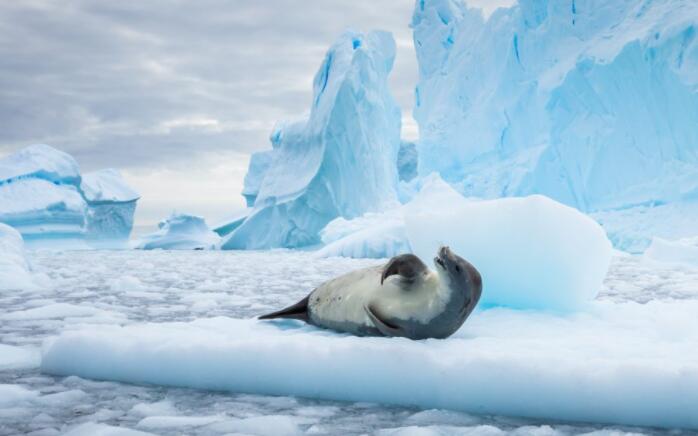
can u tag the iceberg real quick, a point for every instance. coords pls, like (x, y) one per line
(590, 103)
(597, 366)
(532, 252)
(181, 232)
(339, 162)
(15, 272)
(373, 235)
(111, 205)
(682, 251)
(44, 197)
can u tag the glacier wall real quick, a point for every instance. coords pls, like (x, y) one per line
(44, 196)
(590, 102)
(339, 162)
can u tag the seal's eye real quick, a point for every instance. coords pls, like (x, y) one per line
(458, 268)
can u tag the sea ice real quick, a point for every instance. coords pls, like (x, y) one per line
(181, 232)
(532, 252)
(95, 429)
(624, 363)
(339, 162)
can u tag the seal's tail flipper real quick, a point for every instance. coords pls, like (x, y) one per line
(297, 311)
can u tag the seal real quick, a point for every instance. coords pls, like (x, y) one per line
(401, 298)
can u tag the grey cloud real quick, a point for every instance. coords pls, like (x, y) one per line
(102, 80)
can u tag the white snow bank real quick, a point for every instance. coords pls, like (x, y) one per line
(14, 268)
(373, 235)
(682, 251)
(532, 252)
(624, 363)
(181, 232)
(107, 185)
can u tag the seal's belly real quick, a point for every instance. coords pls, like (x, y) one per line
(339, 303)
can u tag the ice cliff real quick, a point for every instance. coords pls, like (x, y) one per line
(592, 103)
(339, 162)
(44, 196)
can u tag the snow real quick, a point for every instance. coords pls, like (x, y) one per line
(593, 105)
(532, 252)
(181, 232)
(340, 161)
(44, 197)
(682, 251)
(618, 362)
(15, 273)
(137, 287)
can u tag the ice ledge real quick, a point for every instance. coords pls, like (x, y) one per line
(617, 363)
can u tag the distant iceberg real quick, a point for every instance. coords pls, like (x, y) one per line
(593, 104)
(181, 232)
(340, 162)
(111, 205)
(44, 197)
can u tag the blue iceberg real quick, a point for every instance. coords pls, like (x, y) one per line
(181, 232)
(44, 197)
(590, 103)
(339, 162)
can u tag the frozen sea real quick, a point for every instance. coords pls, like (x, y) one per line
(127, 287)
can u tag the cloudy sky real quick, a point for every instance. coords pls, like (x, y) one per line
(176, 94)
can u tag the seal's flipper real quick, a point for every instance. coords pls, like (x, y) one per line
(407, 266)
(297, 311)
(386, 328)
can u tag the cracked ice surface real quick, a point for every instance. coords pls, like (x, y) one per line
(129, 287)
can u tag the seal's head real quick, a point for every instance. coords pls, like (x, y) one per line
(458, 273)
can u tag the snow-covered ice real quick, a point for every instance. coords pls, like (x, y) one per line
(44, 197)
(180, 232)
(130, 288)
(502, 362)
(340, 161)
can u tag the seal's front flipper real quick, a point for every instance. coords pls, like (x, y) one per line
(408, 266)
(385, 327)
(297, 311)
